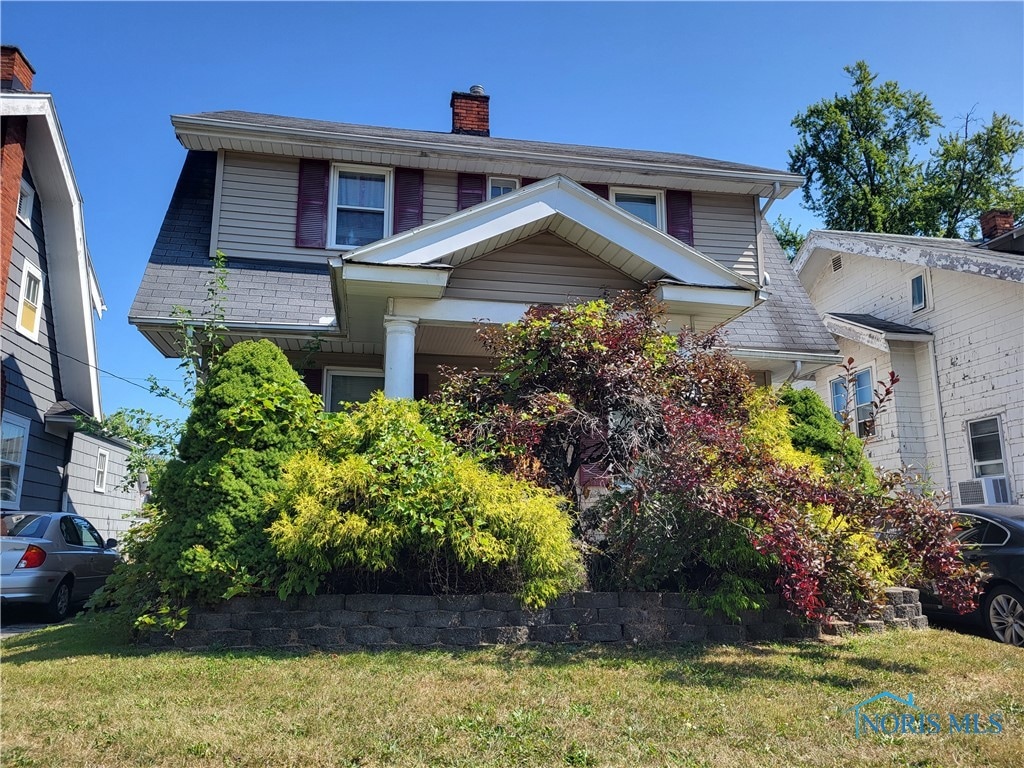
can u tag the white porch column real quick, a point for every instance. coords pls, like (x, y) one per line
(399, 356)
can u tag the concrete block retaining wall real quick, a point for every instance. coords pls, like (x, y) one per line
(331, 622)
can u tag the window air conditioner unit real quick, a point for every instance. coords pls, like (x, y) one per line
(987, 490)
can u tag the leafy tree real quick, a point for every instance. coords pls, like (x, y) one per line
(858, 152)
(789, 237)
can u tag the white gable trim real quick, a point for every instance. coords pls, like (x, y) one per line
(870, 337)
(73, 289)
(543, 205)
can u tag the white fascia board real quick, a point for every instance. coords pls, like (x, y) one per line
(460, 311)
(871, 337)
(390, 280)
(691, 294)
(225, 134)
(72, 289)
(555, 196)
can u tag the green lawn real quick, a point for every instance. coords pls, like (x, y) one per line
(71, 698)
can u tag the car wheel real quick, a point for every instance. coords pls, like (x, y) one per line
(1004, 614)
(60, 604)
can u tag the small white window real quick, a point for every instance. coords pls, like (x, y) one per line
(26, 201)
(861, 409)
(646, 204)
(496, 187)
(31, 301)
(361, 199)
(350, 385)
(102, 459)
(918, 293)
(13, 450)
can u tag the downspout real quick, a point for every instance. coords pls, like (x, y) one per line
(797, 367)
(776, 188)
(939, 416)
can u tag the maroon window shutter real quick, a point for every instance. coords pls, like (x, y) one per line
(408, 199)
(311, 216)
(601, 190)
(472, 189)
(313, 378)
(420, 386)
(679, 212)
(525, 182)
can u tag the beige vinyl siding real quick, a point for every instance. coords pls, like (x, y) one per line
(724, 229)
(259, 195)
(542, 270)
(440, 195)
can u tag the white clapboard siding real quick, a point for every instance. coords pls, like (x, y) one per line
(725, 230)
(543, 269)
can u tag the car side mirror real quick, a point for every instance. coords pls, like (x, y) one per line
(111, 543)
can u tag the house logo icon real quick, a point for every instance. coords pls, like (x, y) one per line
(880, 722)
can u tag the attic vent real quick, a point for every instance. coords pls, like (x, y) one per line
(837, 262)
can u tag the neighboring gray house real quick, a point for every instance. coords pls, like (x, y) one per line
(369, 255)
(50, 297)
(948, 317)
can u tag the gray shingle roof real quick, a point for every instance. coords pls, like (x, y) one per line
(179, 266)
(787, 321)
(484, 143)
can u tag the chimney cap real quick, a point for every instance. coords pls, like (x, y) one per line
(477, 90)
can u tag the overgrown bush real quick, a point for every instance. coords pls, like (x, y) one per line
(705, 490)
(383, 494)
(206, 536)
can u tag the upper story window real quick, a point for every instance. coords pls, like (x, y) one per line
(496, 186)
(102, 459)
(13, 450)
(361, 199)
(860, 409)
(26, 201)
(645, 204)
(30, 301)
(918, 293)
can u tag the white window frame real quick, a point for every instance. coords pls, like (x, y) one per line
(30, 270)
(490, 182)
(657, 194)
(845, 384)
(26, 426)
(1002, 448)
(926, 286)
(346, 371)
(389, 201)
(26, 201)
(102, 465)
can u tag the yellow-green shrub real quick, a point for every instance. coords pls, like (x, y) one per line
(383, 493)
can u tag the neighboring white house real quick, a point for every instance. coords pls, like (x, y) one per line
(948, 317)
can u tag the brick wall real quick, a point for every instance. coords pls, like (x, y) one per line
(380, 621)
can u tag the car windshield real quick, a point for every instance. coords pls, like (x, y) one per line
(28, 524)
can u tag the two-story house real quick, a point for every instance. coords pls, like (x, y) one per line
(371, 254)
(50, 299)
(948, 317)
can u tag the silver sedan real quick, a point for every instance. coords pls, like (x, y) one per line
(55, 559)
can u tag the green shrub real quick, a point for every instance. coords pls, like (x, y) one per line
(207, 534)
(817, 431)
(385, 494)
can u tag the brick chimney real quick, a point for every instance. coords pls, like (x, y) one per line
(15, 75)
(995, 223)
(15, 71)
(471, 112)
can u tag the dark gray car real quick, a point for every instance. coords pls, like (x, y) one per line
(995, 535)
(55, 560)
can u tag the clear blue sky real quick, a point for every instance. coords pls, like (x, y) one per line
(721, 80)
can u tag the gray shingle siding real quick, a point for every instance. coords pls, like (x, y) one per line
(179, 266)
